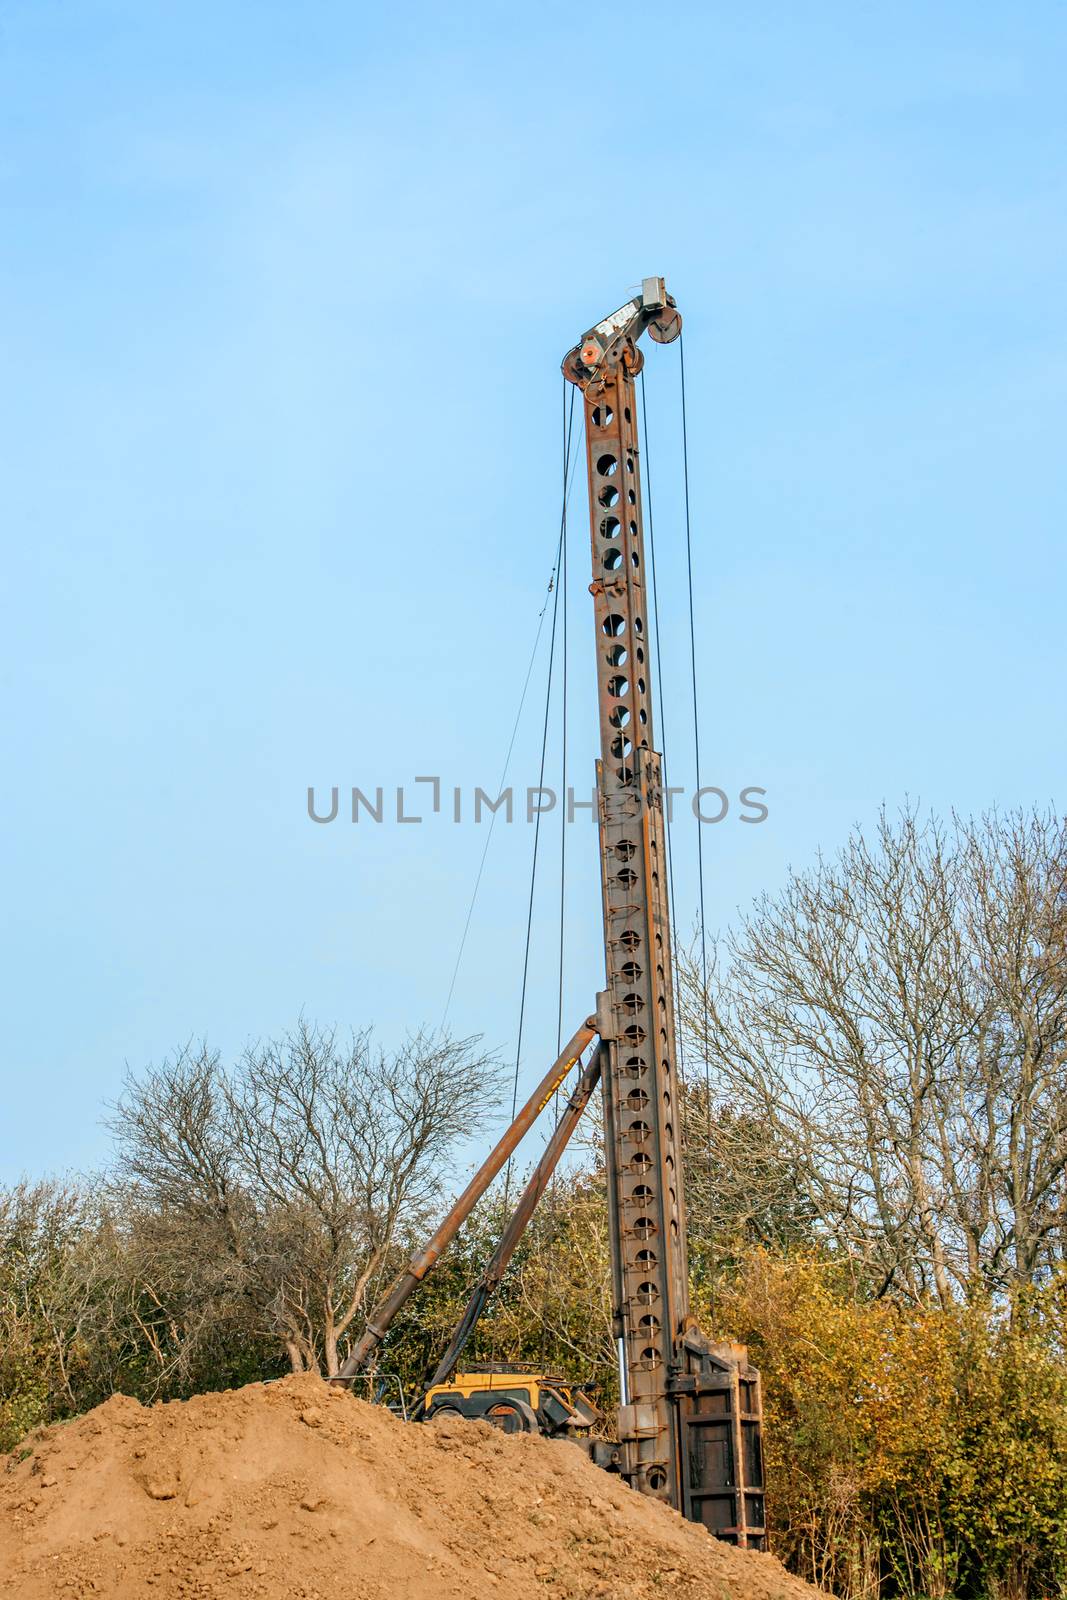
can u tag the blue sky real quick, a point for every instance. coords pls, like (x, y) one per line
(283, 294)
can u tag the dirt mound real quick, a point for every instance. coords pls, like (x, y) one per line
(293, 1489)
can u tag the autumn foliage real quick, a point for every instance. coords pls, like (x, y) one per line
(913, 1450)
(875, 1109)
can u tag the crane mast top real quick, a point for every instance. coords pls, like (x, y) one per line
(614, 340)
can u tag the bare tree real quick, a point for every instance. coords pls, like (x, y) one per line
(742, 1186)
(43, 1304)
(58, 1331)
(897, 1018)
(287, 1182)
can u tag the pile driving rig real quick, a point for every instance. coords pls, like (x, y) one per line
(690, 1414)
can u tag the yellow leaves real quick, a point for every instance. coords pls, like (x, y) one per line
(930, 1442)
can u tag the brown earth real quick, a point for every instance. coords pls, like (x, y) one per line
(297, 1490)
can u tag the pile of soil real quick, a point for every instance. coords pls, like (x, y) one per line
(297, 1490)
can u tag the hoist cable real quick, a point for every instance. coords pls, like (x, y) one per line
(696, 741)
(492, 823)
(567, 429)
(647, 481)
(552, 583)
(563, 732)
(553, 1193)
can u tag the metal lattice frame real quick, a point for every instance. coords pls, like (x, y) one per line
(644, 1159)
(690, 1418)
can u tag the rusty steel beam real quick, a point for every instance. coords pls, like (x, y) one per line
(640, 1081)
(524, 1210)
(671, 1383)
(426, 1259)
(642, 1139)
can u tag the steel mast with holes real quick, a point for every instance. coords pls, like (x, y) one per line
(690, 1417)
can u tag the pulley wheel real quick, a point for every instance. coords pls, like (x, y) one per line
(571, 366)
(633, 359)
(665, 326)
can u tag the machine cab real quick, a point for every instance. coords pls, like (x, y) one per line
(516, 1399)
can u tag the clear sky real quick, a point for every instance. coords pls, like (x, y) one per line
(283, 294)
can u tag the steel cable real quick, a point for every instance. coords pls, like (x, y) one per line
(646, 479)
(563, 731)
(696, 748)
(567, 434)
(552, 585)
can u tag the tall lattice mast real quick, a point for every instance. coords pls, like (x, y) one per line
(689, 1419)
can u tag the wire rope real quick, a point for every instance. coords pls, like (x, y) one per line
(661, 699)
(492, 823)
(563, 731)
(550, 589)
(696, 744)
(553, 1193)
(567, 430)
